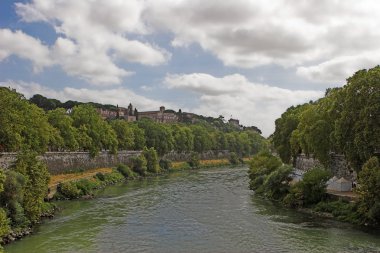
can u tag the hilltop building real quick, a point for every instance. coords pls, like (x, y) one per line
(163, 116)
(234, 122)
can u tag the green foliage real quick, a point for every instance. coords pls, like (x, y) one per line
(152, 160)
(194, 160)
(90, 124)
(64, 125)
(87, 186)
(276, 184)
(234, 158)
(69, 190)
(4, 223)
(202, 139)
(125, 171)
(23, 125)
(342, 210)
(125, 134)
(36, 183)
(139, 165)
(310, 190)
(369, 188)
(165, 164)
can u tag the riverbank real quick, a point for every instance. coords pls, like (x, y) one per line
(207, 210)
(85, 184)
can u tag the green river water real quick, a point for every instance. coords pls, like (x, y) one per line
(209, 210)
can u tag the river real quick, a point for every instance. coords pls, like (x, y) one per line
(209, 210)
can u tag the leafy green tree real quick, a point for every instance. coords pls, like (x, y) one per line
(276, 184)
(139, 137)
(4, 224)
(152, 160)
(202, 140)
(369, 188)
(311, 190)
(284, 128)
(157, 135)
(23, 125)
(357, 129)
(125, 134)
(60, 120)
(36, 183)
(44, 102)
(183, 138)
(89, 123)
(139, 165)
(260, 166)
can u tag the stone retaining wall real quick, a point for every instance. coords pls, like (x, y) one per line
(338, 165)
(63, 162)
(207, 155)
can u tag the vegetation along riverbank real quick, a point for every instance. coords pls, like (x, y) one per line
(346, 121)
(31, 130)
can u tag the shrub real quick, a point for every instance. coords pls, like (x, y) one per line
(234, 158)
(309, 191)
(369, 188)
(69, 190)
(113, 177)
(152, 160)
(100, 176)
(194, 160)
(87, 186)
(276, 184)
(4, 223)
(125, 171)
(139, 165)
(260, 166)
(165, 164)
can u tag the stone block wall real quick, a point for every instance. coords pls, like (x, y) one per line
(338, 165)
(63, 162)
(207, 155)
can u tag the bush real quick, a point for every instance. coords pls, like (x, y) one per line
(69, 190)
(87, 186)
(260, 166)
(234, 158)
(4, 223)
(100, 176)
(113, 177)
(125, 171)
(139, 165)
(152, 160)
(194, 161)
(165, 164)
(276, 184)
(369, 188)
(309, 191)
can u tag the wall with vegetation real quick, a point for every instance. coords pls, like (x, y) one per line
(337, 164)
(206, 155)
(63, 162)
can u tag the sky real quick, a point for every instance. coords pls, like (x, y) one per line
(243, 59)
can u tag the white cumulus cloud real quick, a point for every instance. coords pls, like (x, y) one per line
(234, 95)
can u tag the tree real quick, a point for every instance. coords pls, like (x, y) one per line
(89, 122)
(183, 138)
(23, 125)
(59, 119)
(36, 183)
(369, 182)
(357, 130)
(124, 133)
(152, 160)
(311, 190)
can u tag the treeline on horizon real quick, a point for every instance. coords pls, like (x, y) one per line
(345, 121)
(26, 126)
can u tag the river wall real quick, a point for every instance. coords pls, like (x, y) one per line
(338, 165)
(207, 155)
(64, 162)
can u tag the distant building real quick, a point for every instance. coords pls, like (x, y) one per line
(234, 122)
(118, 113)
(162, 115)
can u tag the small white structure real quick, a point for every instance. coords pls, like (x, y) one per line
(340, 185)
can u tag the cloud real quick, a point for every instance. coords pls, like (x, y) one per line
(289, 33)
(234, 95)
(24, 46)
(116, 96)
(93, 36)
